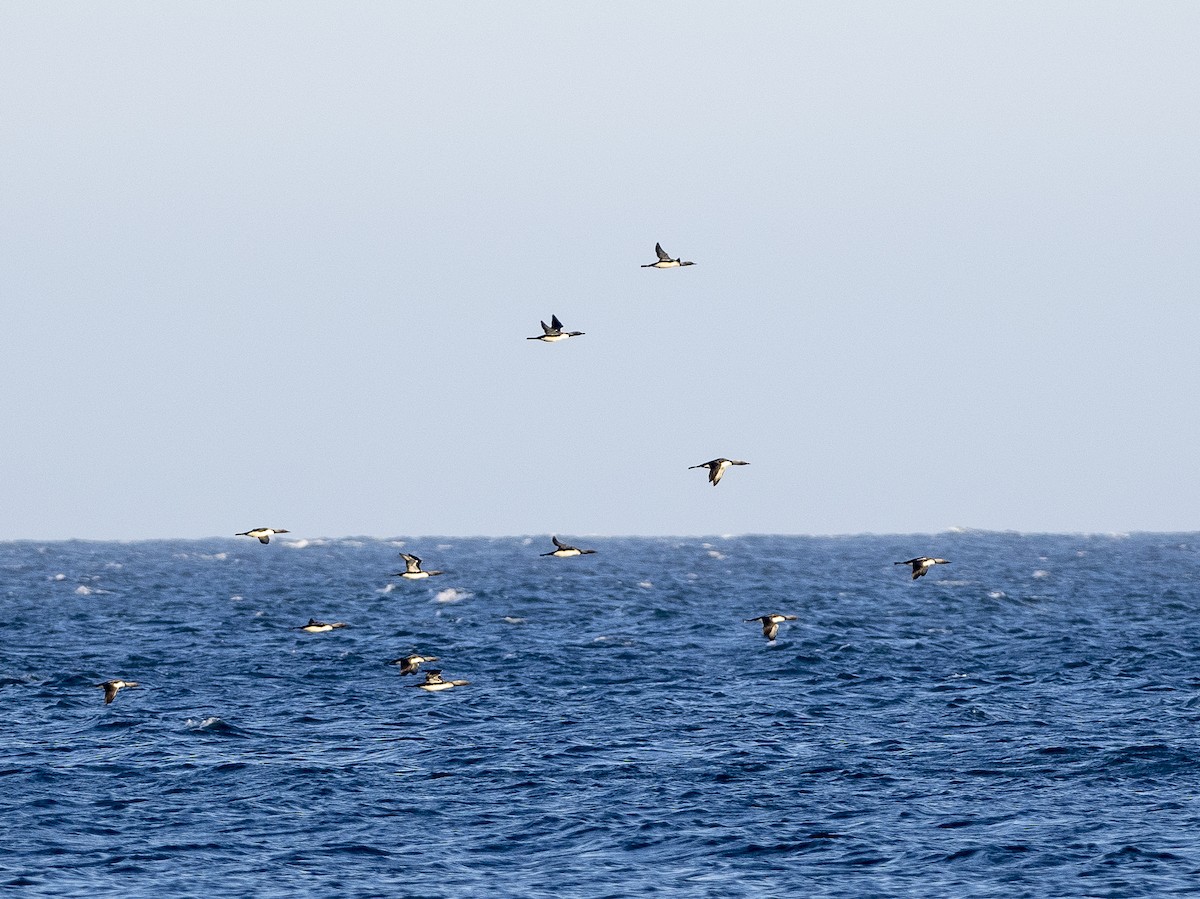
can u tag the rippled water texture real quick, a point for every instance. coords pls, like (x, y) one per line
(1021, 722)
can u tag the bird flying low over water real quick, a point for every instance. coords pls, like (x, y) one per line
(320, 627)
(922, 564)
(412, 569)
(770, 623)
(716, 468)
(433, 682)
(562, 550)
(264, 535)
(112, 686)
(554, 331)
(410, 664)
(665, 260)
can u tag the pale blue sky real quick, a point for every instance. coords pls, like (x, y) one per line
(274, 264)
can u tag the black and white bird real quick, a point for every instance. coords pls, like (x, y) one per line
(770, 623)
(320, 627)
(411, 664)
(412, 569)
(433, 682)
(554, 331)
(563, 550)
(665, 260)
(264, 535)
(716, 468)
(922, 564)
(112, 686)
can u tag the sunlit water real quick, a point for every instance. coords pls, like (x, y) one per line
(1021, 722)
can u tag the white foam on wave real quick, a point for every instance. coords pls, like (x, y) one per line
(450, 594)
(83, 590)
(511, 619)
(713, 554)
(527, 541)
(997, 594)
(296, 544)
(645, 585)
(237, 597)
(1041, 572)
(618, 639)
(203, 723)
(387, 588)
(59, 577)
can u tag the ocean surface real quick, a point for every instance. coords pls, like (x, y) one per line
(1022, 722)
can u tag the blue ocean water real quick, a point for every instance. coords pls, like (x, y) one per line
(1021, 722)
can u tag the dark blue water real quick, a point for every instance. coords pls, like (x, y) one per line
(1022, 722)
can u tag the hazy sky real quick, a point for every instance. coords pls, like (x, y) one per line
(275, 264)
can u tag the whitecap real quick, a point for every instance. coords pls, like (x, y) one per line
(510, 619)
(237, 597)
(59, 577)
(203, 724)
(997, 594)
(295, 544)
(713, 554)
(452, 595)
(1041, 572)
(645, 585)
(83, 590)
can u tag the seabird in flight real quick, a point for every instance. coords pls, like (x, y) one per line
(112, 686)
(562, 550)
(665, 260)
(770, 623)
(554, 331)
(716, 468)
(922, 564)
(412, 569)
(264, 535)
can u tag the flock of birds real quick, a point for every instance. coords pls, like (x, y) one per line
(411, 664)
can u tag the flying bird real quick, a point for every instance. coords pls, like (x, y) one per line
(412, 569)
(665, 260)
(554, 331)
(112, 686)
(433, 682)
(922, 564)
(264, 535)
(410, 664)
(716, 468)
(562, 550)
(770, 623)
